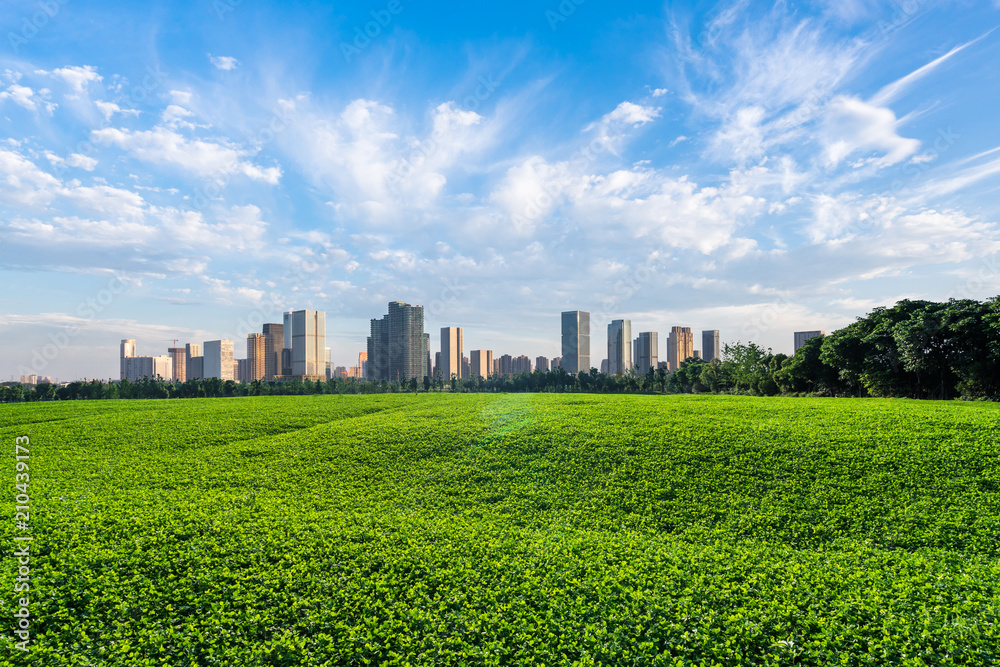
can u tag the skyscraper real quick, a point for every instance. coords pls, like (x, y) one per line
(521, 364)
(646, 352)
(219, 360)
(506, 364)
(178, 357)
(193, 369)
(680, 346)
(274, 342)
(481, 363)
(542, 364)
(256, 365)
(710, 345)
(127, 352)
(619, 347)
(308, 343)
(397, 346)
(451, 352)
(576, 341)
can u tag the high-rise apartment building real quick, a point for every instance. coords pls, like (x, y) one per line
(127, 352)
(576, 341)
(362, 365)
(427, 354)
(619, 347)
(397, 346)
(193, 369)
(542, 364)
(256, 357)
(556, 362)
(136, 368)
(451, 352)
(219, 360)
(646, 351)
(680, 346)
(178, 361)
(710, 345)
(481, 363)
(802, 336)
(506, 363)
(274, 342)
(521, 364)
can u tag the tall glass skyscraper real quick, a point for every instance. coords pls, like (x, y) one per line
(397, 346)
(576, 341)
(619, 347)
(308, 338)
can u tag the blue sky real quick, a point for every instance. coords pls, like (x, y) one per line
(188, 170)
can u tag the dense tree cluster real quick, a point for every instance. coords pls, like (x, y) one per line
(915, 349)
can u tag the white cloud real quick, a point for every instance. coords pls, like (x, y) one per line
(224, 62)
(110, 108)
(21, 182)
(174, 116)
(77, 78)
(163, 146)
(852, 125)
(20, 95)
(76, 160)
(890, 93)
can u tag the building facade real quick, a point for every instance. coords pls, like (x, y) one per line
(136, 368)
(256, 357)
(127, 351)
(680, 346)
(646, 352)
(521, 364)
(308, 343)
(542, 364)
(710, 345)
(274, 343)
(576, 341)
(480, 363)
(397, 346)
(802, 336)
(451, 352)
(219, 360)
(178, 359)
(619, 347)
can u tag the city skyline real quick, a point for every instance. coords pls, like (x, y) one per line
(746, 167)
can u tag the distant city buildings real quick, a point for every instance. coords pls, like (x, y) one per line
(481, 363)
(710, 345)
(274, 342)
(542, 364)
(521, 364)
(619, 347)
(576, 341)
(397, 346)
(219, 360)
(646, 349)
(256, 361)
(802, 336)
(451, 352)
(506, 363)
(680, 346)
(178, 360)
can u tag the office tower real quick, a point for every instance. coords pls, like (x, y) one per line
(697, 354)
(604, 366)
(286, 361)
(556, 363)
(481, 363)
(362, 365)
(437, 366)
(542, 364)
(710, 345)
(576, 341)
(196, 368)
(646, 352)
(219, 359)
(178, 361)
(680, 346)
(286, 328)
(256, 357)
(274, 343)
(328, 364)
(451, 352)
(127, 352)
(802, 336)
(243, 370)
(192, 351)
(496, 366)
(465, 368)
(397, 346)
(619, 347)
(308, 337)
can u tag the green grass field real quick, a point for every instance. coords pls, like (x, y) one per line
(508, 530)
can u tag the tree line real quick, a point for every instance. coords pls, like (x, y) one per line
(915, 349)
